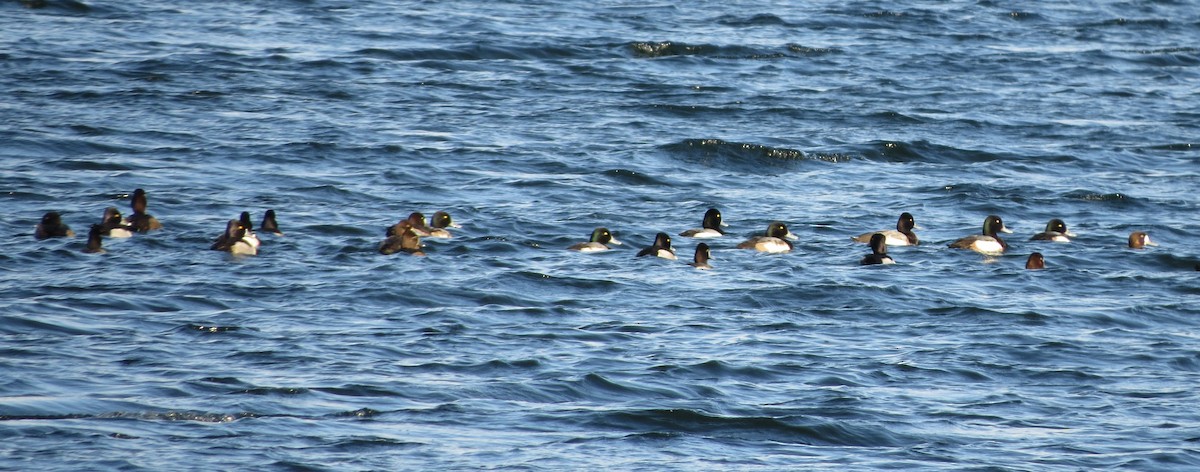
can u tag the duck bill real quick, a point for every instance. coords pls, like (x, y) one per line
(1004, 229)
(614, 241)
(792, 236)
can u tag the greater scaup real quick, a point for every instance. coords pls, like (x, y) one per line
(660, 248)
(1140, 239)
(416, 222)
(700, 260)
(1035, 261)
(710, 226)
(248, 226)
(94, 240)
(903, 235)
(52, 226)
(140, 220)
(601, 238)
(1056, 230)
(269, 225)
(234, 240)
(878, 253)
(774, 241)
(113, 226)
(401, 238)
(438, 224)
(988, 242)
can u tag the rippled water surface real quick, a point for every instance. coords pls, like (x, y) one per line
(534, 124)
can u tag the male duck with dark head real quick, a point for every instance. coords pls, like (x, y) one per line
(989, 242)
(775, 240)
(1056, 231)
(878, 253)
(903, 235)
(401, 238)
(710, 226)
(234, 240)
(700, 260)
(113, 226)
(248, 226)
(660, 248)
(1140, 239)
(140, 220)
(269, 225)
(600, 240)
(52, 226)
(438, 224)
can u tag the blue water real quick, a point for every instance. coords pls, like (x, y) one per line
(534, 124)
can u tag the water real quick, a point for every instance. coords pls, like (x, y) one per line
(534, 124)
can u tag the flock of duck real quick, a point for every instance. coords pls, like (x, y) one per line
(776, 240)
(240, 239)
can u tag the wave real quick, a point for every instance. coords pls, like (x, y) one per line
(652, 49)
(747, 157)
(781, 429)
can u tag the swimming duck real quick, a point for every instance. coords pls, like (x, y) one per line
(901, 236)
(113, 225)
(52, 227)
(878, 253)
(269, 225)
(234, 240)
(416, 222)
(710, 226)
(93, 242)
(250, 237)
(438, 224)
(1140, 239)
(1056, 230)
(700, 260)
(660, 248)
(601, 238)
(1035, 261)
(401, 238)
(988, 242)
(140, 220)
(774, 241)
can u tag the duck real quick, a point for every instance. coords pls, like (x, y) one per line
(250, 237)
(1140, 239)
(775, 240)
(52, 227)
(660, 248)
(600, 240)
(1056, 231)
(401, 238)
(234, 240)
(94, 244)
(878, 253)
(901, 236)
(710, 226)
(140, 220)
(1035, 261)
(988, 243)
(438, 224)
(269, 225)
(113, 226)
(700, 260)
(416, 222)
